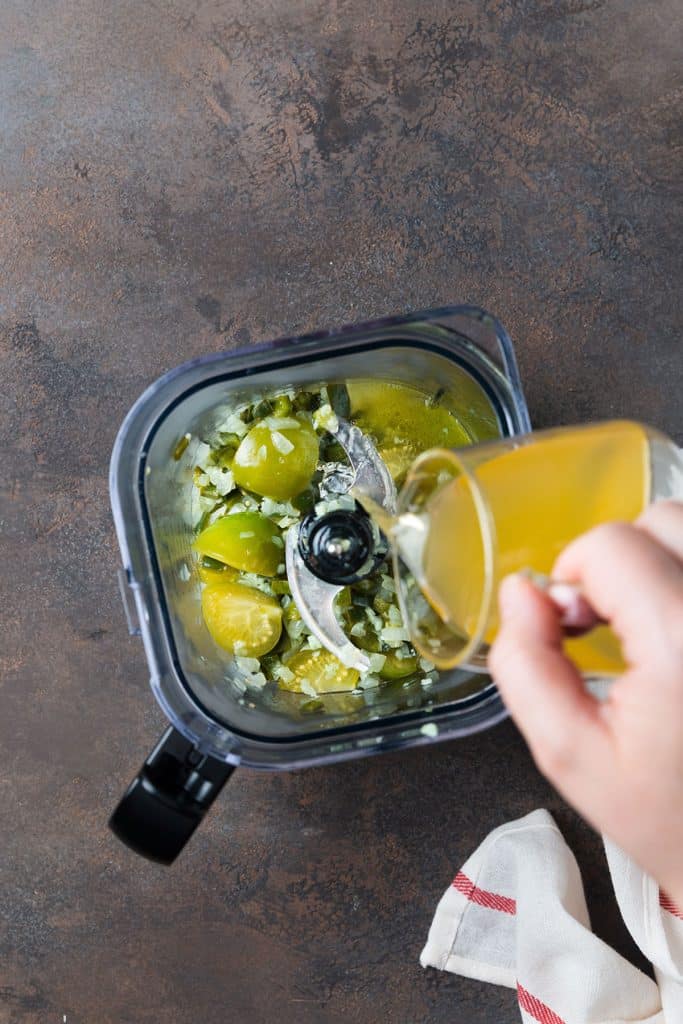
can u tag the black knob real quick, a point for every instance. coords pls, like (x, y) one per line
(342, 546)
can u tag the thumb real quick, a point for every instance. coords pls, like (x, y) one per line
(541, 687)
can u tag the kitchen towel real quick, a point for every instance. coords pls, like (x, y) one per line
(516, 915)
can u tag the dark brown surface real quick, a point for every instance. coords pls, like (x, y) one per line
(178, 178)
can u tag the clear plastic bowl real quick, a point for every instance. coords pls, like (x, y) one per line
(213, 726)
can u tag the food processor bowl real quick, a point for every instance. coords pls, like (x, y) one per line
(217, 723)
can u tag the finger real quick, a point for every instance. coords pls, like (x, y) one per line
(663, 521)
(633, 583)
(541, 687)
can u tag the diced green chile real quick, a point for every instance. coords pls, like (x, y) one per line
(369, 642)
(309, 707)
(306, 401)
(262, 409)
(398, 668)
(305, 501)
(334, 452)
(211, 563)
(339, 399)
(181, 447)
(282, 405)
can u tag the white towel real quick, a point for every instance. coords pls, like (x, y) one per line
(516, 915)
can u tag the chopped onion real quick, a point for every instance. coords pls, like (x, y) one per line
(325, 418)
(224, 482)
(248, 665)
(282, 443)
(375, 619)
(233, 424)
(281, 423)
(269, 507)
(394, 636)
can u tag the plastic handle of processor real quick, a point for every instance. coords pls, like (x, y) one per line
(168, 798)
(511, 371)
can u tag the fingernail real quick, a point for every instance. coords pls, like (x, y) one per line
(539, 579)
(576, 614)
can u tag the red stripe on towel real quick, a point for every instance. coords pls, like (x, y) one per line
(666, 903)
(535, 1008)
(483, 897)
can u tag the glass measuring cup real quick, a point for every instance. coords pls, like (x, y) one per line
(469, 517)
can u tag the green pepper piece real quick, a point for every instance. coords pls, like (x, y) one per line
(280, 587)
(334, 452)
(231, 439)
(306, 401)
(369, 642)
(201, 525)
(181, 447)
(282, 405)
(339, 399)
(305, 501)
(269, 663)
(309, 707)
(398, 668)
(208, 491)
(211, 563)
(262, 409)
(356, 613)
(366, 586)
(291, 613)
(223, 456)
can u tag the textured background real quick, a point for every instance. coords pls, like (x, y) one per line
(177, 179)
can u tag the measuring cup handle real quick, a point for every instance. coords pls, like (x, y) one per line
(168, 798)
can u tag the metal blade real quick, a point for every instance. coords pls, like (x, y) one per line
(314, 597)
(315, 600)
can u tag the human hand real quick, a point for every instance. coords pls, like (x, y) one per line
(619, 762)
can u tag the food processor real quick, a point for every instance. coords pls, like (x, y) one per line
(215, 724)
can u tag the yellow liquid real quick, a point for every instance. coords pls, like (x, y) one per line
(403, 424)
(540, 497)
